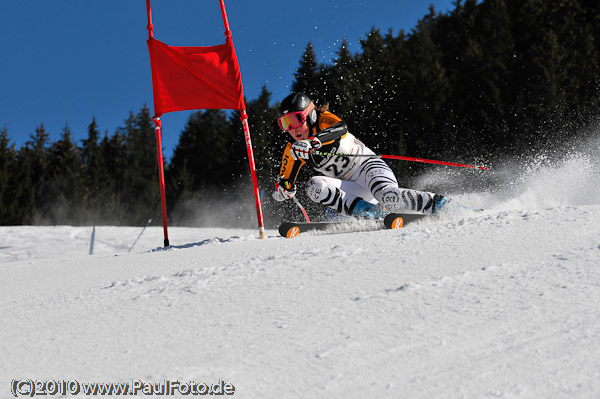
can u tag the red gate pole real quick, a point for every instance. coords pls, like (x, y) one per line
(259, 213)
(244, 118)
(161, 178)
(159, 153)
(149, 26)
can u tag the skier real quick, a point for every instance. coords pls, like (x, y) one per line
(359, 186)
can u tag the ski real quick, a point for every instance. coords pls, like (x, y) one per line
(293, 229)
(391, 221)
(398, 220)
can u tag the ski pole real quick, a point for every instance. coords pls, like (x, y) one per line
(301, 208)
(288, 185)
(136, 240)
(461, 165)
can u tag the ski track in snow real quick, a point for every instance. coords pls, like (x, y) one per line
(501, 303)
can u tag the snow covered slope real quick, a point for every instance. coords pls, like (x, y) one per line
(501, 303)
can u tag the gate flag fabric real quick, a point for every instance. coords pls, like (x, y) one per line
(186, 78)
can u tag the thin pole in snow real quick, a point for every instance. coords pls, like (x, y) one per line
(92, 240)
(136, 240)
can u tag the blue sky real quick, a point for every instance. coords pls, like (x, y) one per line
(67, 61)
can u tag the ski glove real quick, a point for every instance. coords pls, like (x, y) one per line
(284, 189)
(302, 149)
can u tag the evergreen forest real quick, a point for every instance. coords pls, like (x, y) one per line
(489, 79)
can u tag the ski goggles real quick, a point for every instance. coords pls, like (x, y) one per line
(294, 120)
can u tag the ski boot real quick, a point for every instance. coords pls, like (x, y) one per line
(439, 202)
(365, 210)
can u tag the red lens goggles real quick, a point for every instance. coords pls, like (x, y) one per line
(294, 120)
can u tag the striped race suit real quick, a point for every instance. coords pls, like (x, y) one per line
(344, 180)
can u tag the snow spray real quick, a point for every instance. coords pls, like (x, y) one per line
(555, 178)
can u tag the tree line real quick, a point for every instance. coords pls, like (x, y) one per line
(485, 80)
(109, 179)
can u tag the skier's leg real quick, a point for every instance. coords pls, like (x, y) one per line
(377, 176)
(398, 199)
(339, 195)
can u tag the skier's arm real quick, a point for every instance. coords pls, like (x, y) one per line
(333, 132)
(289, 166)
(285, 186)
(331, 128)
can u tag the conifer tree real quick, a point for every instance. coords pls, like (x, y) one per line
(307, 76)
(35, 157)
(479, 55)
(374, 78)
(23, 186)
(9, 186)
(339, 81)
(427, 90)
(204, 147)
(112, 164)
(92, 203)
(398, 74)
(62, 188)
(267, 137)
(140, 190)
